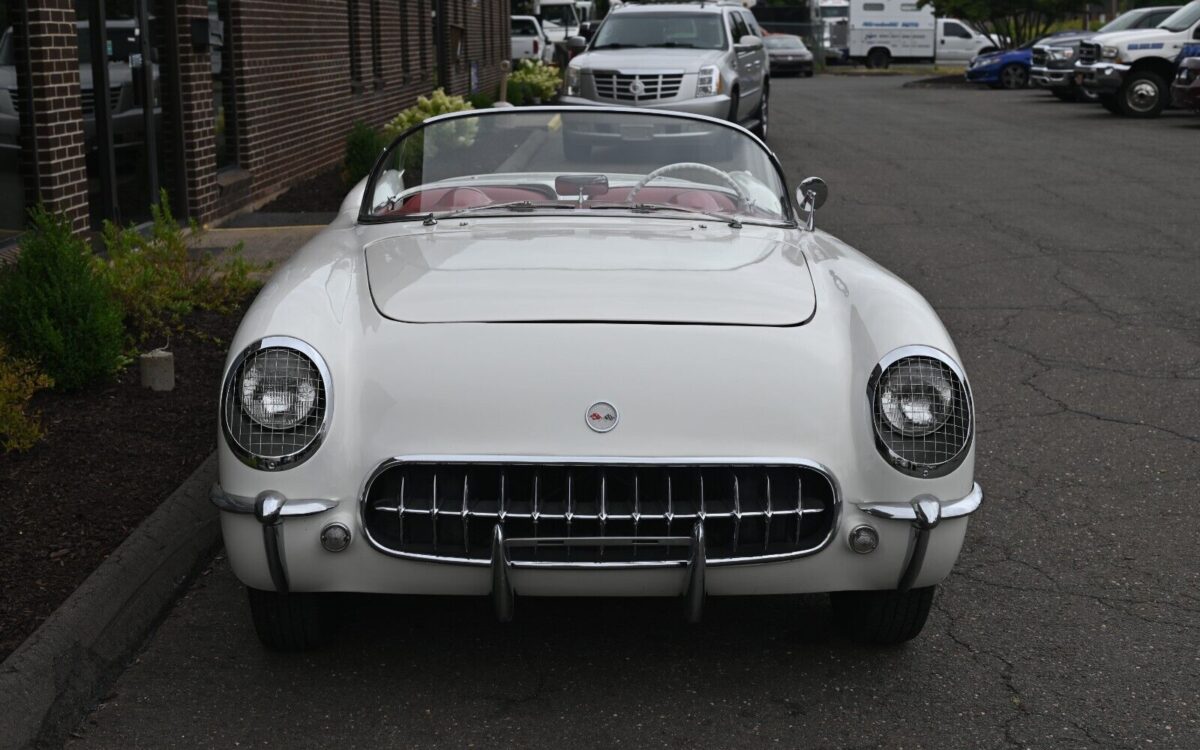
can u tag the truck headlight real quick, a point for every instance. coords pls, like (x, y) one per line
(708, 83)
(1062, 54)
(276, 403)
(573, 74)
(1110, 53)
(921, 411)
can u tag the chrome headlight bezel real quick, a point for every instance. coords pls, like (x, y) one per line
(901, 450)
(708, 81)
(1110, 53)
(313, 434)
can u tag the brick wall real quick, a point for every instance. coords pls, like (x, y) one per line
(56, 130)
(295, 96)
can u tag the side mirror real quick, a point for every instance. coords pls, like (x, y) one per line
(811, 194)
(576, 44)
(750, 41)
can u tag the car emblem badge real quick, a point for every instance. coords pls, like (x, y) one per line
(637, 88)
(601, 416)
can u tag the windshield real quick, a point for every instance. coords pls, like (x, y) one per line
(1182, 19)
(784, 42)
(835, 12)
(568, 161)
(698, 31)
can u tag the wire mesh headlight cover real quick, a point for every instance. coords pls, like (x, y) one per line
(921, 411)
(276, 403)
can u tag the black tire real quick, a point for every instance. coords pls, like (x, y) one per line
(763, 114)
(882, 618)
(879, 58)
(1085, 96)
(1143, 95)
(1014, 76)
(1109, 102)
(734, 104)
(292, 622)
(808, 74)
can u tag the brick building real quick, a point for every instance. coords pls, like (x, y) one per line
(250, 96)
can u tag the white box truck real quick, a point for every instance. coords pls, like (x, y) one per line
(885, 30)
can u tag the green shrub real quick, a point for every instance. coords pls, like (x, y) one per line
(481, 100)
(157, 278)
(414, 153)
(363, 145)
(19, 380)
(437, 103)
(533, 78)
(55, 309)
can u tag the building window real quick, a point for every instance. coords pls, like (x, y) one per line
(224, 121)
(376, 44)
(352, 20)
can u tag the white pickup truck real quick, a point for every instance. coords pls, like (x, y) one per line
(885, 30)
(1131, 71)
(529, 42)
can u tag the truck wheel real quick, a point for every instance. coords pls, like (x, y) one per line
(882, 618)
(1141, 95)
(1109, 102)
(1083, 95)
(293, 621)
(1014, 76)
(764, 105)
(878, 58)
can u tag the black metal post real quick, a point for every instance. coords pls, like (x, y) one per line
(102, 111)
(172, 88)
(28, 131)
(146, 83)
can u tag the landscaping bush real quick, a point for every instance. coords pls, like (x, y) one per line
(533, 79)
(414, 152)
(481, 100)
(158, 278)
(19, 380)
(56, 310)
(363, 145)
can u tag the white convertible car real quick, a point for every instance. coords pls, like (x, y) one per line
(515, 366)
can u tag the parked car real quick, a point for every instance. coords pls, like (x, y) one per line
(787, 54)
(1054, 59)
(702, 58)
(643, 374)
(529, 42)
(1130, 71)
(1006, 69)
(882, 31)
(1185, 90)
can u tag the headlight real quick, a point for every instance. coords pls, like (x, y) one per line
(276, 403)
(708, 83)
(1110, 53)
(573, 74)
(921, 411)
(1065, 53)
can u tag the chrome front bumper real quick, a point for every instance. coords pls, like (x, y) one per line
(1051, 78)
(923, 514)
(1101, 77)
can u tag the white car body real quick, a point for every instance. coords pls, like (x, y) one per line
(529, 42)
(906, 31)
(484, 340)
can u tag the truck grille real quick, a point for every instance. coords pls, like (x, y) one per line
(636, 87)
(560, 513)
(1089, 53)
(1041, 56)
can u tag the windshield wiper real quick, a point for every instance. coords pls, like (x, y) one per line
(646, 208)
(519, 206)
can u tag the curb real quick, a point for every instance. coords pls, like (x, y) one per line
(50, 682)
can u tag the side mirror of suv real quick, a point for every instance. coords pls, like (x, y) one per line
(750, 41)
(576, 44)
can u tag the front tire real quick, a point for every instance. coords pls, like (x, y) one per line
(882, 618)
(879, 58)
(1142, 95)
(1109, 102)
(1014, 76)
(764, 106)
(293, 621)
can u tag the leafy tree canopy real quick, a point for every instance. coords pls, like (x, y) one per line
(1019, 21)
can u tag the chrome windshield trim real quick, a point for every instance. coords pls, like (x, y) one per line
(682, 461)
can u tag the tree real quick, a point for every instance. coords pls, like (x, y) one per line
(1019, 21)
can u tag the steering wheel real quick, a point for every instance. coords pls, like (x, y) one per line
(743, 199)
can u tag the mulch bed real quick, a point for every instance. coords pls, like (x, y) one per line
(320, 194)
(111, 455)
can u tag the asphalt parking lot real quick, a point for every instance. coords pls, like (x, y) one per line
(1061, 245)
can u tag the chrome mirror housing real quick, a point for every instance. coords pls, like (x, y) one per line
(811, 194)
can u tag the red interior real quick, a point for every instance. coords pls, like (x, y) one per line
(449, 199)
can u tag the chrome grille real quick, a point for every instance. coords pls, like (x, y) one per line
(636, 87)
(926, 388)
(1089, 52)
(560, 513)
(1041, 56)
(281, 379)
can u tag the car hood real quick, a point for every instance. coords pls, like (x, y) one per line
(1008, 55)
(1114, 38)
(648, 271)
(688, 60)
(1066, 40)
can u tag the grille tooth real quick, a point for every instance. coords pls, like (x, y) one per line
(447, 511)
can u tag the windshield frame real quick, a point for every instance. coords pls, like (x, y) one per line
(788, 209)
(1191, 12)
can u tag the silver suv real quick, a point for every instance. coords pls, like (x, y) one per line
(706, 58)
